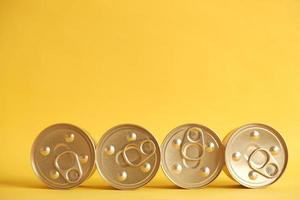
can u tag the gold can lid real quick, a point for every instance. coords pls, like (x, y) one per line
(192, 156)
(255, 155)
(63, 156)
(127, 156)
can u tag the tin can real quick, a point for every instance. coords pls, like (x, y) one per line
(192, 156)
(256, 155)
(63, 156)
(127, 156)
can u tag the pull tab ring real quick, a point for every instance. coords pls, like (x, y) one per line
(269, 168)
(72, 174)
(141, 151)
(194, 141)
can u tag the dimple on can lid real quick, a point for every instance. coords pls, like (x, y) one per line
(127, 156)
(192, 156)
(255, 155)
(63, 156)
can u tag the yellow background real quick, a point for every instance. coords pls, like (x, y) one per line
(155, 63)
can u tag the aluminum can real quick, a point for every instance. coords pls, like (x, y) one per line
(63, 156)
(192, 156)
(127, 156)
(256, 155)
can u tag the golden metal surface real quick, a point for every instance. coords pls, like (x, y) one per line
(127, 156)
(192, 156)
(255, 155)
(63, 156)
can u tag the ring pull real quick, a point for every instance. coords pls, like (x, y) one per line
(147, 150)
(143, 151)
(135, 148)
(263, 162)
(68, 165)
(194, 138)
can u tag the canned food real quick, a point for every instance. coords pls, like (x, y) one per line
(192, 156)
(255, 155)
(63, 156)
(127, 156)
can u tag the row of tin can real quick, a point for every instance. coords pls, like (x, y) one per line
(128, 156)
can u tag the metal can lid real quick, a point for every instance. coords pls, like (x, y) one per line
(63, 156)
(192, 156)
(255, 155)
(127, 156)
